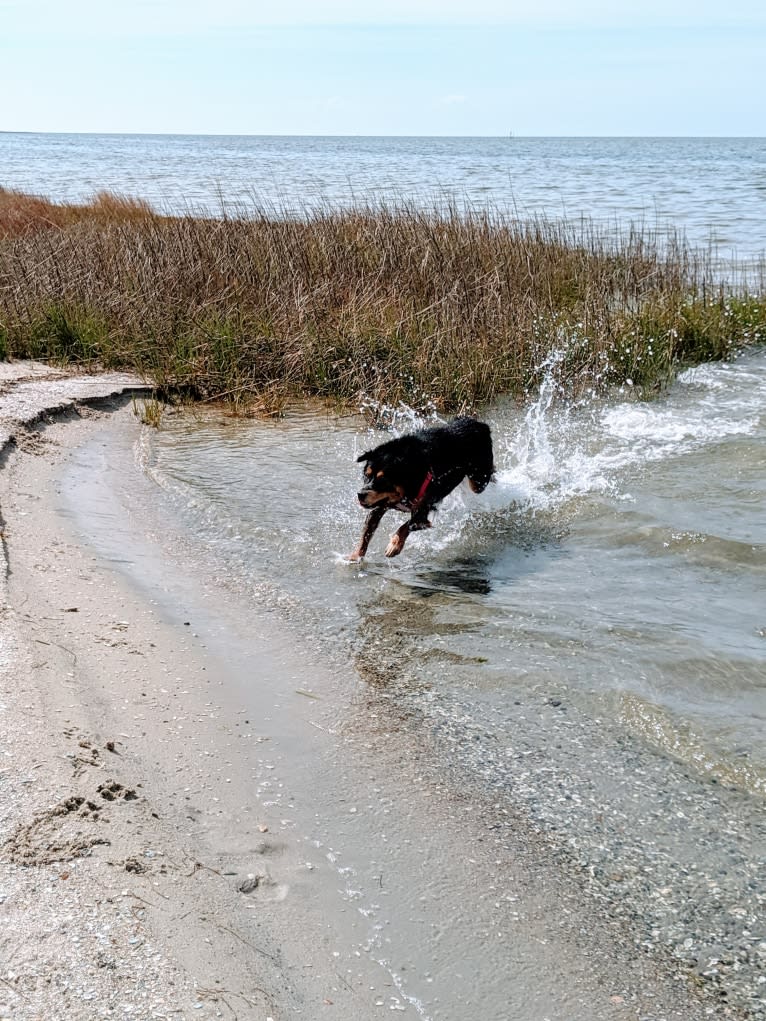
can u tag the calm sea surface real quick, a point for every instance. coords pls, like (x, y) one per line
(712, 188)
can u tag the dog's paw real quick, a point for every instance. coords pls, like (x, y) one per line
(355, 557)
(395, 547)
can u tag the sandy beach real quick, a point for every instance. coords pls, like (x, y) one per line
(105, 913)
(155, 863)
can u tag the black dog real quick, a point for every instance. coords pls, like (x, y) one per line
(414, 473)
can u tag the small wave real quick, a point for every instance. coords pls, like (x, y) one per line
(648, 433)
(680, 740)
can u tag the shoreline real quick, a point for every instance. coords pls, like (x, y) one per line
(123, 724)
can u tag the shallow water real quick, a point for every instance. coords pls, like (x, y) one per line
(387, 888)
(576, 657)
(620, 556)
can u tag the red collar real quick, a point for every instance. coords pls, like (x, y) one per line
(422, 491)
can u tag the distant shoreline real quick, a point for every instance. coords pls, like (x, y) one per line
(237, 134)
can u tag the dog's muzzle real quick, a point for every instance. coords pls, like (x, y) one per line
(372, 498)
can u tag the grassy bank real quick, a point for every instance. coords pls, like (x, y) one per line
(389, 303)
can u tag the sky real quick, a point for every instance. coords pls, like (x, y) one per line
(399, 67)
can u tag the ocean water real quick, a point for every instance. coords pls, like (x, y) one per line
(713, 189)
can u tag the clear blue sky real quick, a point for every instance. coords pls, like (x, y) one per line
(433, 67)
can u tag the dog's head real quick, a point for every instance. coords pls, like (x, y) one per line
(383, 483)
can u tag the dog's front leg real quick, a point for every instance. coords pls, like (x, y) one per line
(417, 522)
(370, 526)
(398, 539)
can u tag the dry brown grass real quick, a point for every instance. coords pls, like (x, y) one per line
(21, 213)
(393, 304)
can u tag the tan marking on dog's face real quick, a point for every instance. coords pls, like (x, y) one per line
(372, 498)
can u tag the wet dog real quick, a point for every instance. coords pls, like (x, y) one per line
(414, 473)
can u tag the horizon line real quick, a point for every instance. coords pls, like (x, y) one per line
(511, 136)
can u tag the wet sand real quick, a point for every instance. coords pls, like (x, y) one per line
(201, 820)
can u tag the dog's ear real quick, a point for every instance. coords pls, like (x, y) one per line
(364, 457)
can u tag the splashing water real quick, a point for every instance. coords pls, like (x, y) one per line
(545, 459)
(562, 450)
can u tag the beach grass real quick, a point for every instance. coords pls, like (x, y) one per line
(449, 307)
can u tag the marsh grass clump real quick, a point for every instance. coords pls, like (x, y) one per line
(149, 412)
(21, 213)
(395, 304)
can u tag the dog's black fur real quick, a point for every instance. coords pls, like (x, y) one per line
(414, 473)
